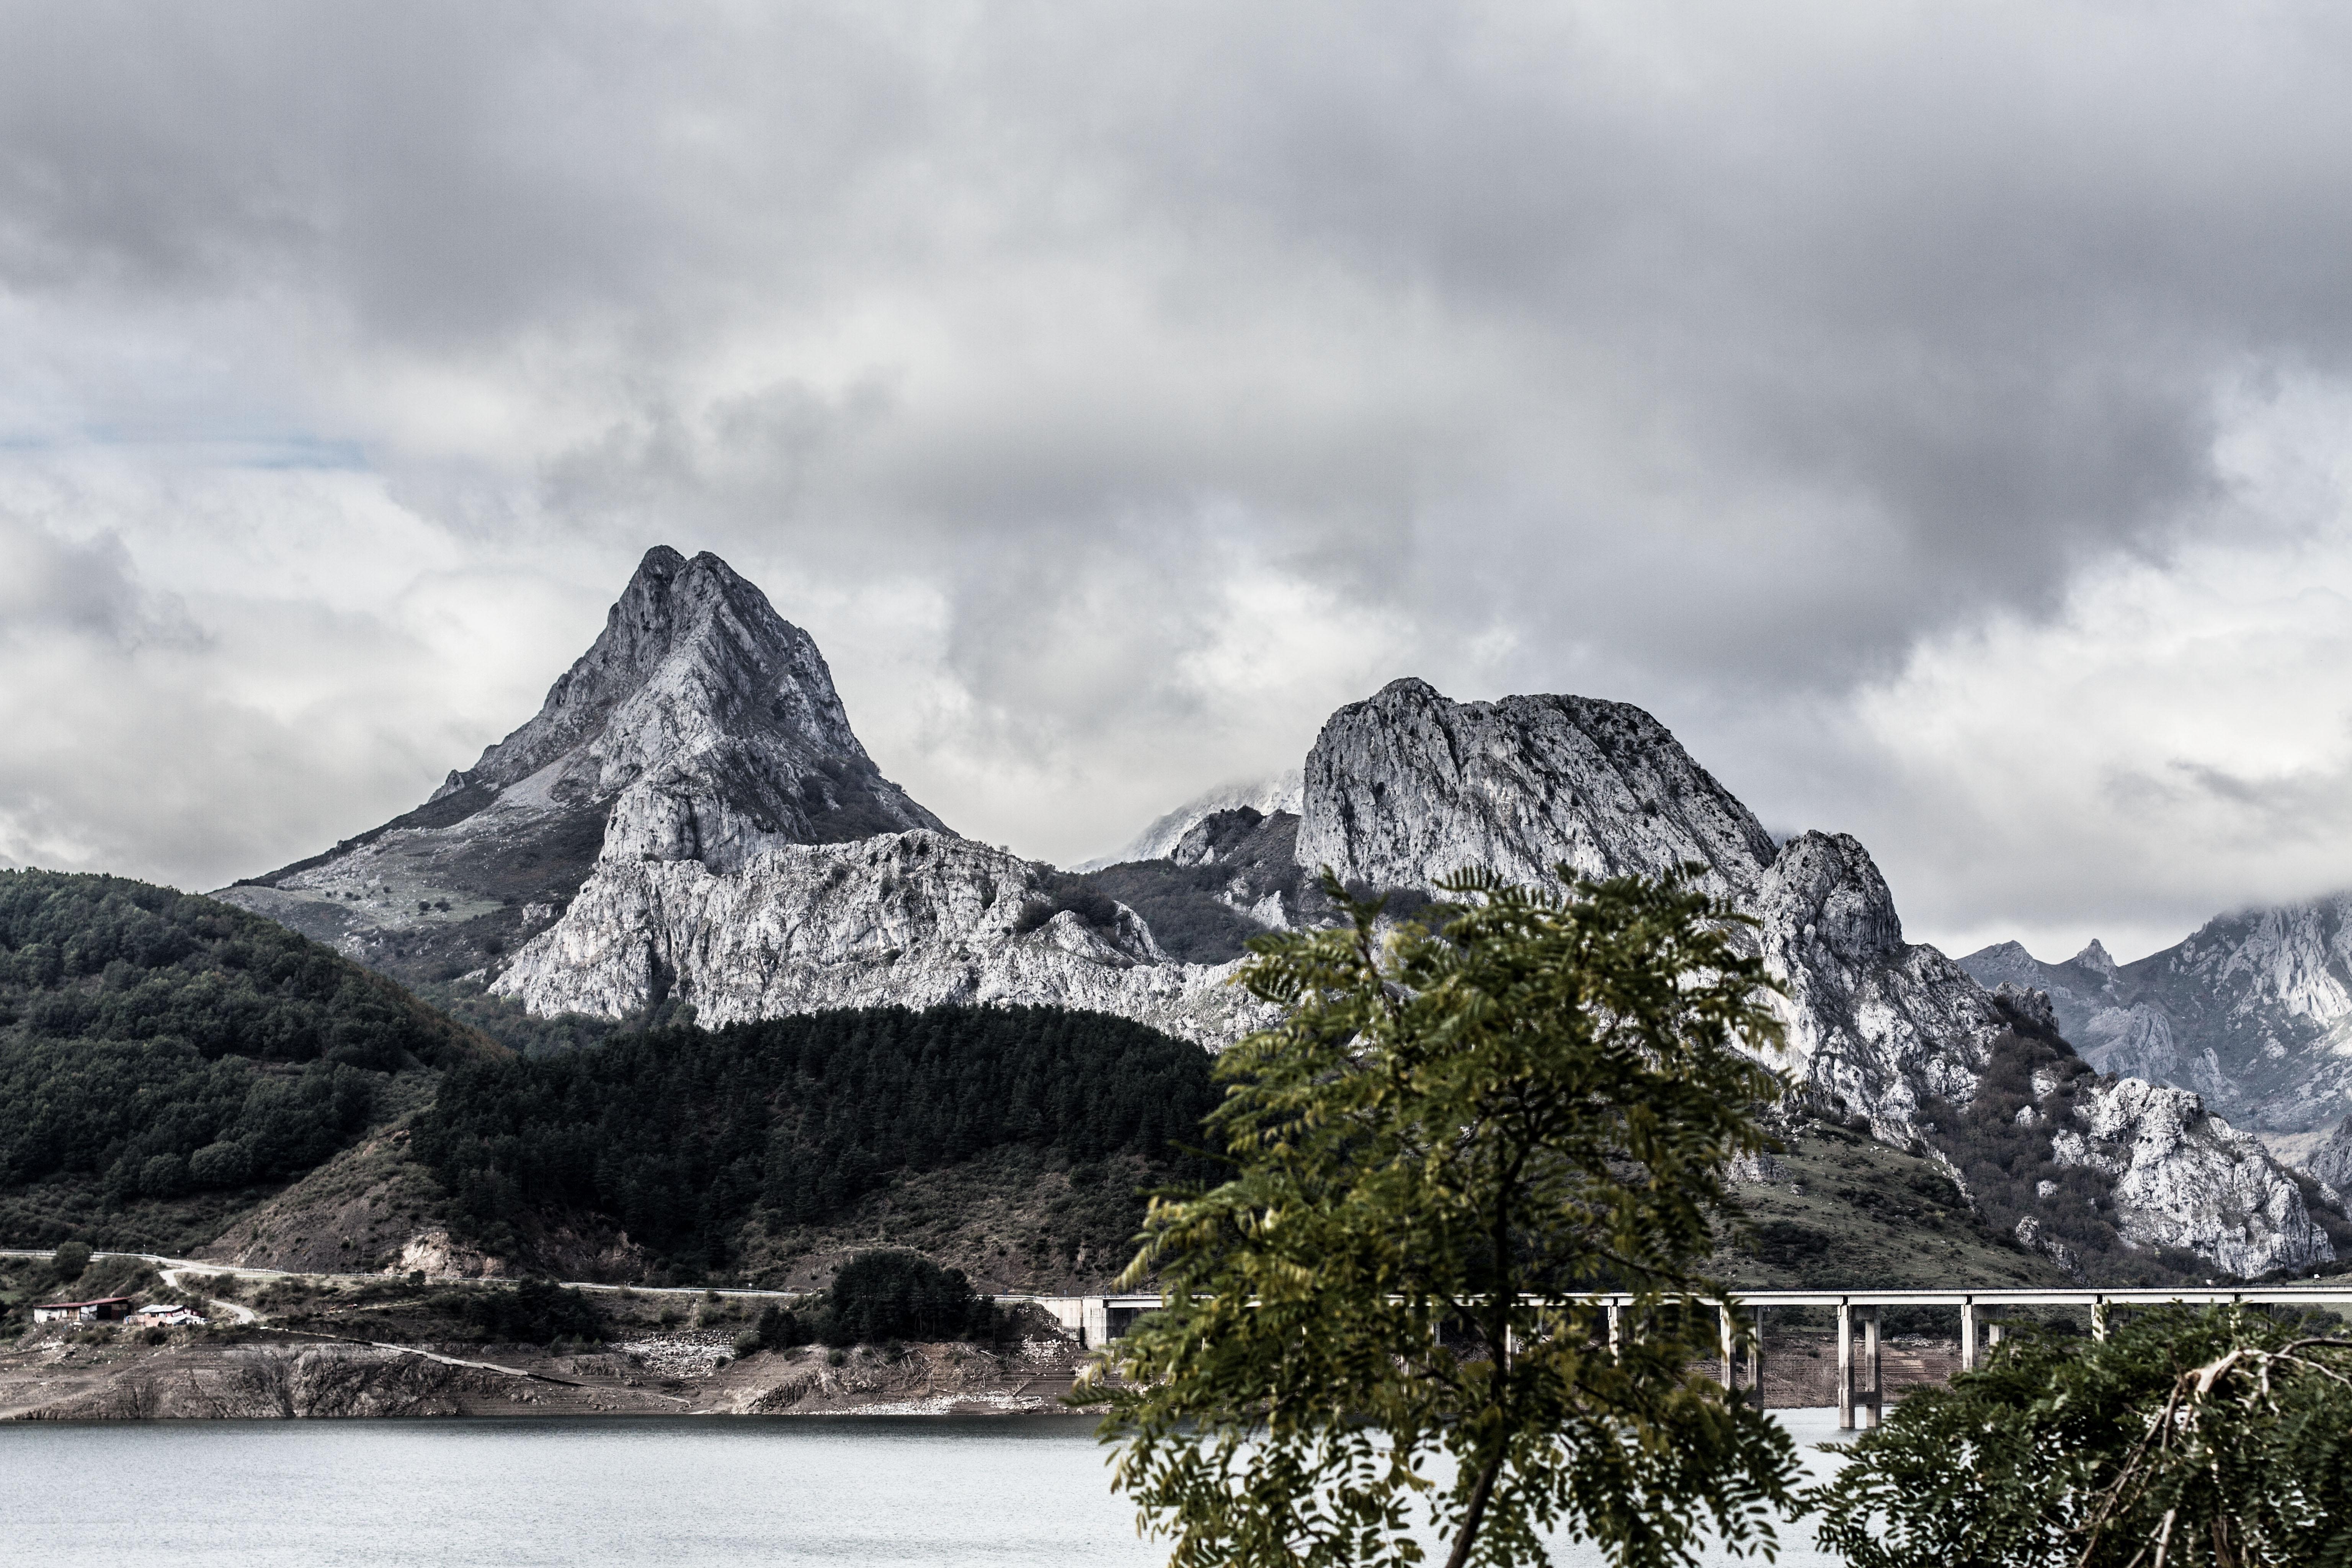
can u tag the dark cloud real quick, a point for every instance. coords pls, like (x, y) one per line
(1132, 384)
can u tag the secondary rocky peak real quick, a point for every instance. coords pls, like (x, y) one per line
(1271, 795)
(1825, 891)
(1408, 787)
(2094, 958)
(1215, 836)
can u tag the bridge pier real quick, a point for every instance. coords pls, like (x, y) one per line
(1967, 1336)
(1871, 1400)
(1845, 1368)
(1756, 1362)
(1877, 1395)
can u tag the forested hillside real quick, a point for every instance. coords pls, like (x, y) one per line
(161, 1052)
(700, 1143)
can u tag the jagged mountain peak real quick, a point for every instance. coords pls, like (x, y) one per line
(689, 648)
(2093, 957)
(700, 725)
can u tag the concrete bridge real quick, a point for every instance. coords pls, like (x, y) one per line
(1096, 1321)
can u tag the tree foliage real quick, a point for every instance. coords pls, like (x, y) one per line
(1450, 1137)
(894, 1295)
(533, 1312)
(153, 1119)
(166, 1043)
(2216, 1437)
(682, 1136)
(104, 958)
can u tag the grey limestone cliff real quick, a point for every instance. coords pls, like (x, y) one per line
(2188, 1179)
(1407, 787)
(908, 920)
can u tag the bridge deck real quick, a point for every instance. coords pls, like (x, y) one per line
(1099, 1320)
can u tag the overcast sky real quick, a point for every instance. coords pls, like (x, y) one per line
(1936, 416)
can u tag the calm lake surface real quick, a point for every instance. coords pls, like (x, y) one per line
(708, 1493)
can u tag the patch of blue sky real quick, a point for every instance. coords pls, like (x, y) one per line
(274, 449)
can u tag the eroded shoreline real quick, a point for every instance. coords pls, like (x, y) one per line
(297, 1376)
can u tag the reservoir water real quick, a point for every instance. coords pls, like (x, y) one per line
(713, 1494)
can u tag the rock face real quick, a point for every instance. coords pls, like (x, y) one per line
(909, 919)
(710, 715)
(699, 725)
(2186, 1179)
(1873, 1022)
(2332, 1163)
(1408, 787)
(2254, 1012)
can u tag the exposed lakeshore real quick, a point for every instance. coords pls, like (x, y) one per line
(264, 1374)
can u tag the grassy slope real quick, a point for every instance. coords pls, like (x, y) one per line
(1016, 1220)
(1844, 1211)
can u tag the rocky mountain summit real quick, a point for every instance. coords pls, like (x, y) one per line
(689, 816)
(2252, 1011)
(1407, 787)
(699, 724)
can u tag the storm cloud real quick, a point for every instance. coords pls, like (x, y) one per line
(1936, 418)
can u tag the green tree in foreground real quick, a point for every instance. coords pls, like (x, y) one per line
(1449, 1134)
(2216, 1437)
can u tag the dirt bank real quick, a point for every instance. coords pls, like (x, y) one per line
(204, 1377)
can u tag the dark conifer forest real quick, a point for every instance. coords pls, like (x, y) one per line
(683, 1136)
(163, 1043)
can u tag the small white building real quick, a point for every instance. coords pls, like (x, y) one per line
(160, 1315)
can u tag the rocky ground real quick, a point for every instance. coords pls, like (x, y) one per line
(200, 1376)
(315, 1345)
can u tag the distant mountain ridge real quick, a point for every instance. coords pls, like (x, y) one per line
(1281, 793)
(2253, 1011)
